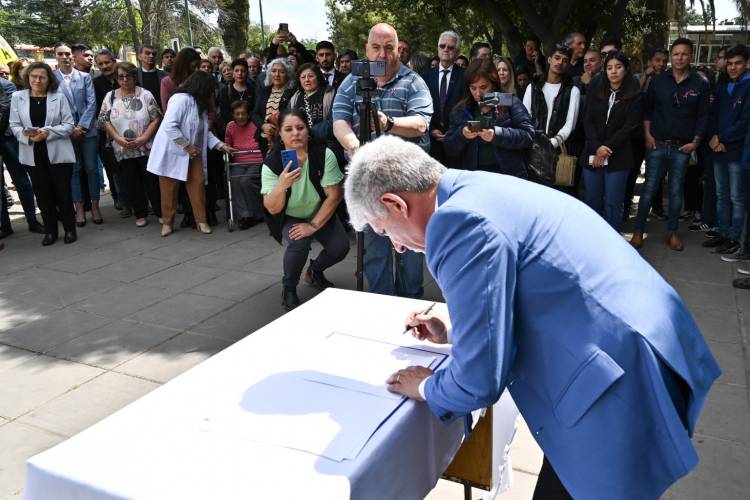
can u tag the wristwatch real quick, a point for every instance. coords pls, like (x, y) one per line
(389, 123)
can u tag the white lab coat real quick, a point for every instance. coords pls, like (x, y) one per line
(169, 159)
(58, 123)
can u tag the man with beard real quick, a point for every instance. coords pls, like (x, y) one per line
(325, 55)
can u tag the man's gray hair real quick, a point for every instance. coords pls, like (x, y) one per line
(386, 165)
(451, 34)
(215, 49)
(287, 67)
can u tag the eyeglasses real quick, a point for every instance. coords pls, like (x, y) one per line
(125, 77)
(446, 46)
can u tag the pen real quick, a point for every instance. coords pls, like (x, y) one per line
(426, 311)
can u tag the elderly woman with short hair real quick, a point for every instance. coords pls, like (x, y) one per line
(273, 97)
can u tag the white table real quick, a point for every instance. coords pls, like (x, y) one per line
(154, 448)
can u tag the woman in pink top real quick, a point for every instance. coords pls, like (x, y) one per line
(240, 134)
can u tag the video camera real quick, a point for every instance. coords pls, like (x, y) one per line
(490, 105)
(368, 69)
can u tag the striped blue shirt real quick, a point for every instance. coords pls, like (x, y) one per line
(406, 94)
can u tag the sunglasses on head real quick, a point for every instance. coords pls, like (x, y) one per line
(446, 46)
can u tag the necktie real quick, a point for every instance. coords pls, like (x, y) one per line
(329, 77)
(443, 90)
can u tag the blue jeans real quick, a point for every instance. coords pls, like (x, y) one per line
(335, 247)
(664, 159)
(21, 179)
(378, 263)
(87, 151)
(708, 215)
(730, 195)
(605, 192)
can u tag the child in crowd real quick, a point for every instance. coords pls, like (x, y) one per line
(245, 168)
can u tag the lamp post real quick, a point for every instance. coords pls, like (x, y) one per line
(262, 28)
(189, 26)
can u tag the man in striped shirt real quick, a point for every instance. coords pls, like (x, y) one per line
(404, 109)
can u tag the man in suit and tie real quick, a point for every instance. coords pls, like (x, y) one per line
(600, 354)
(149, 77)
(446, 82)
(78, 88)
(325, 56)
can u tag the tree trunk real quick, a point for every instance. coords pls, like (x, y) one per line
(234, 19)
(146, 19)
(133, 25)
(508, 28)
(615, 22)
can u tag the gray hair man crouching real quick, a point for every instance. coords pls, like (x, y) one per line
(600, 354)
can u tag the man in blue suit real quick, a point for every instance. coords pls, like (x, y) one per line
(600, 354)
(78, 88)
(446, 84)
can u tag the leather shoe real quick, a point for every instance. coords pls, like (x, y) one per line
(675, 243)
(289, 298)
(637, 240)
(48, 239)
(316, 278)
(37, 228)
(70, 237)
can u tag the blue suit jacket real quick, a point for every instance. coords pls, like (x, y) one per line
(599, 353)
(81, 99)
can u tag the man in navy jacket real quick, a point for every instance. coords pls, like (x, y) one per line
(446, 84)
(728, 127)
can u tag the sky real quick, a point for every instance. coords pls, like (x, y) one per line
(307, 18)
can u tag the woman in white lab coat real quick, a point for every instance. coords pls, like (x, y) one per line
(179, 149)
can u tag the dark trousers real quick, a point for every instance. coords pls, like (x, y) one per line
(117, 184)
(548, 486)
(335, 247)
(143, 186)
(53, 193)
(693, 186)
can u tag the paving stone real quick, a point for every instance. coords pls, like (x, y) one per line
(37, 381)
(85, 405)
(52, 330)
(113, 344)
(55, 288)
(173, 357)
(731, 360)
(235, 285)
(705, 270)
(19, 443)
(717, 325)
(181, 251)
(182, 277)
(720, 475)
(10, 357)
(182, 311)
(132, 269)
(123, 301)
(708, 295)
(726, 415)
(83, 262)
(14, 312)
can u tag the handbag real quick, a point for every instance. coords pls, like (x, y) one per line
(565, 166)
(540, 165)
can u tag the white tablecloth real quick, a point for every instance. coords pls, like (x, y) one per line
(155, 447)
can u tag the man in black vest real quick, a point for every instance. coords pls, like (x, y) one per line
(446, 82)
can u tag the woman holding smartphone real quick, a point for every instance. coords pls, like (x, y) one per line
(41, 120)
(492, 139)
(301, 195)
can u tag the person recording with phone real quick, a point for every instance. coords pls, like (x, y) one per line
(489, 130)
(301, 188)
(284, 36)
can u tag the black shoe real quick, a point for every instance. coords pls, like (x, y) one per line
(289, 298)
(729, 247)
(211, 218)
(714, 242)
(37, 228)
(711, 233)
(316, 278)
(187, 222)
(245, 223)
(48, 239)
(70, 237)
(659, 213)
(5, 231)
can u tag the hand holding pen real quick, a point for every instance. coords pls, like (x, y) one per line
(425, 325)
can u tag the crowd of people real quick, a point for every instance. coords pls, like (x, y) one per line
(158, 135)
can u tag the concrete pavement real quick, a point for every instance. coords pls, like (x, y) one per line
(87, 328)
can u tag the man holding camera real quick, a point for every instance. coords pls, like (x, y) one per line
(404, 109)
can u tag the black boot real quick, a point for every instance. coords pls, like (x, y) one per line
(316, 278)
(289, 298)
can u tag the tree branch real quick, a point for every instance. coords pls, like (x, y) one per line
(563, 11)
(507, 26)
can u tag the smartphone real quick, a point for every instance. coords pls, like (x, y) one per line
(284, 27)
(288, 155)
(474, 125)
(31, 129)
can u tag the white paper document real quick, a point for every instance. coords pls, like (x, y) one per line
(330, 404)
